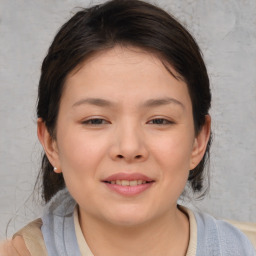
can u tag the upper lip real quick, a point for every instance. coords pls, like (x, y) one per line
(128, 176)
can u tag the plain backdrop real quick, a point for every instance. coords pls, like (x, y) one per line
(226, 33)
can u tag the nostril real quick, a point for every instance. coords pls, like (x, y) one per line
(129, 157)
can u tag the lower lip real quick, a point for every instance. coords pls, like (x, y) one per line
(129, 190)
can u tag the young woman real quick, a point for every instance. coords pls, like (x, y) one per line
(123, 117)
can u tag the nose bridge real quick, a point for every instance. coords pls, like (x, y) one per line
(129, 142)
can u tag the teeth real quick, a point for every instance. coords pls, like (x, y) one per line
(133, 183)
(125, 183)
(128, 183)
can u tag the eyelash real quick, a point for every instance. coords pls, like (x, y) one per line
(95, 121)
(163, 121)
(101, 121)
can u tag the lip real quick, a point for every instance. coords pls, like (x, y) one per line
(128, 176)
(128, 190)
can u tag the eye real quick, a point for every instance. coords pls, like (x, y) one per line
(160, 121)
(95, 121)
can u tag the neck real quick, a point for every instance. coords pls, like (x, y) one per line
(166, 235)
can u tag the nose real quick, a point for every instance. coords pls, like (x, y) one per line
(129, 145)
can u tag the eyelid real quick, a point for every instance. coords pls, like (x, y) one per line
(166, 121)
(94, 118)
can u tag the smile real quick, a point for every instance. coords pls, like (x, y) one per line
(128, 182)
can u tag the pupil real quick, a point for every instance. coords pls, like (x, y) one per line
(158, 121)
(96, 121)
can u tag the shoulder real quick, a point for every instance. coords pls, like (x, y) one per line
(26, 242)
(221, 238)
(248, 228)
(14, 247)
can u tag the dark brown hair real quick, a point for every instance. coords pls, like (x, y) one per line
(127, 23)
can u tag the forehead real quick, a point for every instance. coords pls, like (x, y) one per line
(124, 56)
(125, 73)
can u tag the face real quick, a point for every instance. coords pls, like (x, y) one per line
(125, 137)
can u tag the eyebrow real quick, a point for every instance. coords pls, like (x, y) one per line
(149, 103)
(93, 101)
(162, 101)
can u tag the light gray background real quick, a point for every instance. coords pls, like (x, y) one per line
(226, 33)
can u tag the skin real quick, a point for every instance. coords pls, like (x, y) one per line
(145, 125)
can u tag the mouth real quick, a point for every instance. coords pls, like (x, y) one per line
(128, 184)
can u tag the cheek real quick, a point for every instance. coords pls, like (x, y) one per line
(80, 159)
(173, 152)
(173, 155)
(79, 154)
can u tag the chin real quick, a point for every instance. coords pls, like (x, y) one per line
(128, 222)
(127, 217)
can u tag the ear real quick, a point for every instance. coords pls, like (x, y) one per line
(200, 143)
(49, 144)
